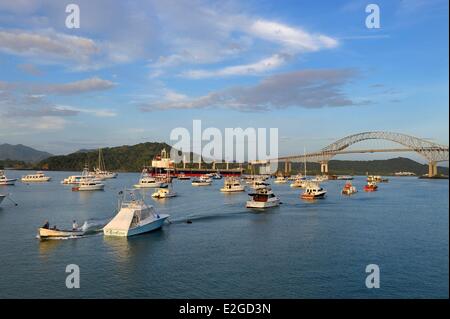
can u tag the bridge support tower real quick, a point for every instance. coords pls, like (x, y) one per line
(324, 167)
(432, 169)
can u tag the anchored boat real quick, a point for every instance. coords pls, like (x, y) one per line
(147, 181)
(6, 181)
(313, 191)
(371, 187)
(39, 177)
(232, 185)
(263, 198)
(134, 217)
(280, 180)
(204, 180)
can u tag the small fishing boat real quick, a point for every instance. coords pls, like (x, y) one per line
(134, 217)
(280, 180)
(313, 191)
(370, 187)
(349, 189)
(6, 181)
(54, 232)
(263, 198)
(202, 181)
(232, 185)
(39, 177)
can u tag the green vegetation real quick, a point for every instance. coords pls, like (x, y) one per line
(120, 159)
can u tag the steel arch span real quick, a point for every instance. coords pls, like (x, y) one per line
(433, 152)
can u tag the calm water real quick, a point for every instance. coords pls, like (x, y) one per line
(299, 250)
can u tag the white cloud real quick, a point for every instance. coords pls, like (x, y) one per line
(259, 67)
(94, 111)
(76, 87)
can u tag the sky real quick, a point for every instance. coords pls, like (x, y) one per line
(135, 70)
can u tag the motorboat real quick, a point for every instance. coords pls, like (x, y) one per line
(377, 179)
(5, 180)
(232, 185)
(370, 187)
(299, 183)
(74, 179)
(202, 181)
(320, 178)
(345, 177)
(183, 177)
(349, 189)
(257, 184)
(134, 217)
(263, 198)
(280, 180)
(164, 193)
(147, 181)
(39, 177)
(88, 182)
(295, 177)
(54, 232)
(313, 191)
(216, 176)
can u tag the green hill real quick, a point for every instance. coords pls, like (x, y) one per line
(21, 152)
(122, 158)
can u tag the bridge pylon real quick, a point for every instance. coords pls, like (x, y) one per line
(324, 167)
(432, 169)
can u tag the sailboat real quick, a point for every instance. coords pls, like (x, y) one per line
(100, 171)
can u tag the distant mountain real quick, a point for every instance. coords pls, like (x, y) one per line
(124, 158)
(21, 152)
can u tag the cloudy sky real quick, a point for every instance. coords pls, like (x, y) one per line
(135, 70)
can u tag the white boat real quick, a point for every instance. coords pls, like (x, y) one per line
(53, 232)
(216, 176)
(345, 177)
(257, 184)
(88, 182)
(2, 197)
(6, 181)
(39, 177)
(164, 193)
(147, 181)
(202, 181)
(299, 183)
(263, 198)
(74, 179)
(280, 180)
(183, 177)
(100, 171)
(313, 191)
(134, 217)
(320, 178)
(232, 185)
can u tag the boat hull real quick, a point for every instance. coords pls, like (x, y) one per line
(49, 233)
(8, 182)
(153, 225)
(268, 204)
(40, 180)
(313, 196)
(232, 190)
(152, 185)
(88, 188)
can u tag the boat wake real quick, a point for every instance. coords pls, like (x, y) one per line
(192, 217)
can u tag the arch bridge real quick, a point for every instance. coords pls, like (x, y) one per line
(432, 152)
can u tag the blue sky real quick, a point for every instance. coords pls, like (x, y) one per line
(135, 70)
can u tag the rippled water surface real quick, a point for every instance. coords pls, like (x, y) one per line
(298, 250)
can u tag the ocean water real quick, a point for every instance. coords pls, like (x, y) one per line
(299, 250)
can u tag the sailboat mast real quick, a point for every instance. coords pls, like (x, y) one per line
(304, 158)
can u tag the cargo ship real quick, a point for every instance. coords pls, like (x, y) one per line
(162, 164)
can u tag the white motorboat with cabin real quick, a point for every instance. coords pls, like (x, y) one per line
(164, 193)
(203, 180)
(39, 177)
(232, 185)
(313, 191)
(263, 198)
(134, 217)
(183, 177)
(280, 180)
(147, 181)
(88, 182)
(5, 180)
